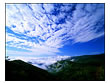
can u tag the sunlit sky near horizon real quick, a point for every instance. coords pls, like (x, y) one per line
(45, 30)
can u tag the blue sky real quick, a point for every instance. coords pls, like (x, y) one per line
(42, 30)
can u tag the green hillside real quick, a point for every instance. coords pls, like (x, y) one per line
(82, 68)
(18, 70)
(87, 67)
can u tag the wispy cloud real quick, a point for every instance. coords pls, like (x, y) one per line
(41, 62)
(44, 28)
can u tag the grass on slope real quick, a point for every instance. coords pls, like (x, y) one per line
(88, 67)
(18, 70)
(83, 68)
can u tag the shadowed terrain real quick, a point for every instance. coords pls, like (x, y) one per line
(78, 68)
(18, 70)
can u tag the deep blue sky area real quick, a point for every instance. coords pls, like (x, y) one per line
(47, 30)
(96, 46)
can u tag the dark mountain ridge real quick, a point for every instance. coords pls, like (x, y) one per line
(18, 70)
(78, 68)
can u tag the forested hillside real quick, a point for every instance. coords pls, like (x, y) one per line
(79, 68)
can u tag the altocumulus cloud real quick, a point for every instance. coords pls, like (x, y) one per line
(44, 28)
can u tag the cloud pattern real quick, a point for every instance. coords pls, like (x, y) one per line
(41, 62)
(45, 28)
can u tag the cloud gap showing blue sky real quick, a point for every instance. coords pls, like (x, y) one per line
(35, 30)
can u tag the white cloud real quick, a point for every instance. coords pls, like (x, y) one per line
(45, 61)
(32, 20)
(48, 7)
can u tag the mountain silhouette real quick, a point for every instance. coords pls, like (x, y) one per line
(18, 70)
(78, 68)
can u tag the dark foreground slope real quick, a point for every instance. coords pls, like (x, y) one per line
(83, 68)
(80, 68)
(18, 70)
